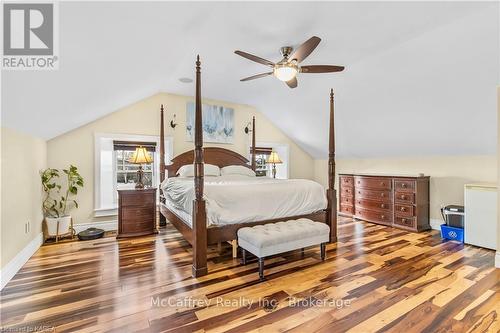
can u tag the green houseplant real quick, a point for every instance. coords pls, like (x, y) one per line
(56, 207)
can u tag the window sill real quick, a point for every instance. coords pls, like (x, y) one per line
(102, 212)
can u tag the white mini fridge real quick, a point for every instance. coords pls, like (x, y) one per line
(481, 215)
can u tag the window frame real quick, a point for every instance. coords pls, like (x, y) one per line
(154, 170)
(102, 139)
(283, 150)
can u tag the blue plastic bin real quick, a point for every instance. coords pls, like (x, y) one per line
(452, 233)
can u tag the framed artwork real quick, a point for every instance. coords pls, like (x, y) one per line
(218, 123)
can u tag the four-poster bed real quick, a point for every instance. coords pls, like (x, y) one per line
(197, 233)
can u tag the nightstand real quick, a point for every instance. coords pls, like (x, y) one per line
(136, 212)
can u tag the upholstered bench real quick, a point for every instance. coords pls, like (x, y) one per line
(274, 238)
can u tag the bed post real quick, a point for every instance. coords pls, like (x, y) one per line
(253, 145)
(331, 194)
(163, 220)
(199, 213)
(162, 146)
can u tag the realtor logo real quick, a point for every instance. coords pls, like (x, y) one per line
(29, 36)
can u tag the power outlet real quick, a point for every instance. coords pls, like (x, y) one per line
(27, 227)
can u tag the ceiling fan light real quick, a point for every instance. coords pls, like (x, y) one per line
(285, 72)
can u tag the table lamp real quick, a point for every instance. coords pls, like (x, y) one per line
(140, 156)
(274, 159)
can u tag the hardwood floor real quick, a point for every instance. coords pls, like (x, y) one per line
(375, 279)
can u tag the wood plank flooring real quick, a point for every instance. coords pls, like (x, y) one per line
(375, 279)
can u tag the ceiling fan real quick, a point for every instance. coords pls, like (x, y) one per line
(287, 69)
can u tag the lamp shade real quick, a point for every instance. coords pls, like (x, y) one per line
(140, 156)
(274, 158)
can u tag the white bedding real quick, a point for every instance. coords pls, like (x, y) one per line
(237, 199)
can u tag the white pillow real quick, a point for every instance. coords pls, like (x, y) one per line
(237, 170)
(211, 170)
(188, 170)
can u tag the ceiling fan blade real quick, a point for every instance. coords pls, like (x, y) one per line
(321, 69)
(258, 76)
(292, 83)
(254, 58)
(304, 50)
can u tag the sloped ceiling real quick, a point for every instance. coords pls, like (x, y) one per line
(421, 76)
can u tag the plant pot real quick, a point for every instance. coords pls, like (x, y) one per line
(57, 226)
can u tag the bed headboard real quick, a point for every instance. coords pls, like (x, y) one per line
(211, 155)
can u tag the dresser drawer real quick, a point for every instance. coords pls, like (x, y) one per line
(346, 209)
(138, 199)
(374, 216)
(347, 192)
(373, 194)
(377, 183)
(408, 222)
(346, 200)
(404, 197)
(137, 226)
(403, 210)
(133, 214)
(404, 185)
(347, 181)
(373, 205)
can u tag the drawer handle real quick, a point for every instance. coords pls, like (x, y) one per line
(359, 202)
(403, 197)
(382, 194)
(403, 220)
(382, 217)
(359, 192)
(382, 205)
(382, 183)
(403, 185)
(403, 209)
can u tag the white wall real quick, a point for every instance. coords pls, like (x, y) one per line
(497, 258)
(23, 156)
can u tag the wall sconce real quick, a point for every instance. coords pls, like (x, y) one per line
(173, 123)
(248, 127)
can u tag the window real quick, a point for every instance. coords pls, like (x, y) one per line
(126, 173)
(112, 170)
(261, 155)
(263, 150)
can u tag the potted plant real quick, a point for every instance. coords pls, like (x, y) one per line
(56, 211)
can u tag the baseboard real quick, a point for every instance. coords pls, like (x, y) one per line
(497, 259)
(8, 272)
(105, 225)
(436, 224)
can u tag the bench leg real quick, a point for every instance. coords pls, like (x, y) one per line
(243, 256)
(323, 251)
(261, 268)
(234, 244)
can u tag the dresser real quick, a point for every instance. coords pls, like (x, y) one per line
(136, 212)
(396, 201)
